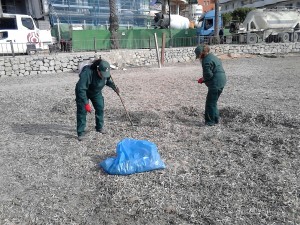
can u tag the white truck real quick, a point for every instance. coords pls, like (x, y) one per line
(19, 34)
(162, 21)
(278, 25)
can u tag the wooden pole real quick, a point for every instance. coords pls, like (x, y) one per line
(157, 51)
(163, 44)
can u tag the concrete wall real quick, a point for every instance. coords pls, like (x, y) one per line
(66, 62)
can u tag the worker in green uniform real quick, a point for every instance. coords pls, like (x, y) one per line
(89, 87)
(215, 79)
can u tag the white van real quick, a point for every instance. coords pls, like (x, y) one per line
(19, 34)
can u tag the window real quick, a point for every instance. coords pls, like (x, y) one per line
(208, 23)
(252, 25)
(8, 24)
(28, 23)
(3, 35)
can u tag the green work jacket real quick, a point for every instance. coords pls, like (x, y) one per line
(213, 72)
(90, 85)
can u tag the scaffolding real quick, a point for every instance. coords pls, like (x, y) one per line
(13, 6)
(133, 13)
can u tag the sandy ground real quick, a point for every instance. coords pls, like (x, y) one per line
(243, 171)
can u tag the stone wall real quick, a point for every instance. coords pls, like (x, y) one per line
(66, 62)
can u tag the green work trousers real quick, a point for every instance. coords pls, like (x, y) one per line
(98, 104)
(211, 108)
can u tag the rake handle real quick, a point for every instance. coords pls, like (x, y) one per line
(127, 114)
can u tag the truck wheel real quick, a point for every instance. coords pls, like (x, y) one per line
(284, 37)
(228, 39)
(252, 38)
(31, 49)
(295, 37)
(30, 52)
(214, 40)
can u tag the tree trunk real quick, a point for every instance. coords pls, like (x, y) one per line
(164, 7)
(113, 24)
(216, 27)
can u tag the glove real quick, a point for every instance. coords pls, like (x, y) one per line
(200, 81)
(88, 108)
(117, 90)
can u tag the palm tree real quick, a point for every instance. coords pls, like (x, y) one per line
(216, 28)
(113, 24)
(164, 6)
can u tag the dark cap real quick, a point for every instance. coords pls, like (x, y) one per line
(199, 50)
(104, 68)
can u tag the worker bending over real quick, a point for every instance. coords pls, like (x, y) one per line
(89, 87)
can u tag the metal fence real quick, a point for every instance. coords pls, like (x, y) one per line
(8, 49)
(96, 45)
(176, 42)
(249, 38)
(11, 48)
(149, 43)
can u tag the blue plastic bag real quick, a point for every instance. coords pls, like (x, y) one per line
(133, 156)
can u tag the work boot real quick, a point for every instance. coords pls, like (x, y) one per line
(210, 124)
(81, 138)
(102, 131)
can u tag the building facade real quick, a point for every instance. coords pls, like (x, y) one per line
(207, 5)
(38, 9)
(90, 12)
(230, 5)
(96, 12)
(133, 13)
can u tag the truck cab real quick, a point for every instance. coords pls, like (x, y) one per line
(19, 34)
(208, 24)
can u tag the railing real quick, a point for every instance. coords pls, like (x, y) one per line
(10, 48)
(96, 45)
(105, 44)
(250, 38)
